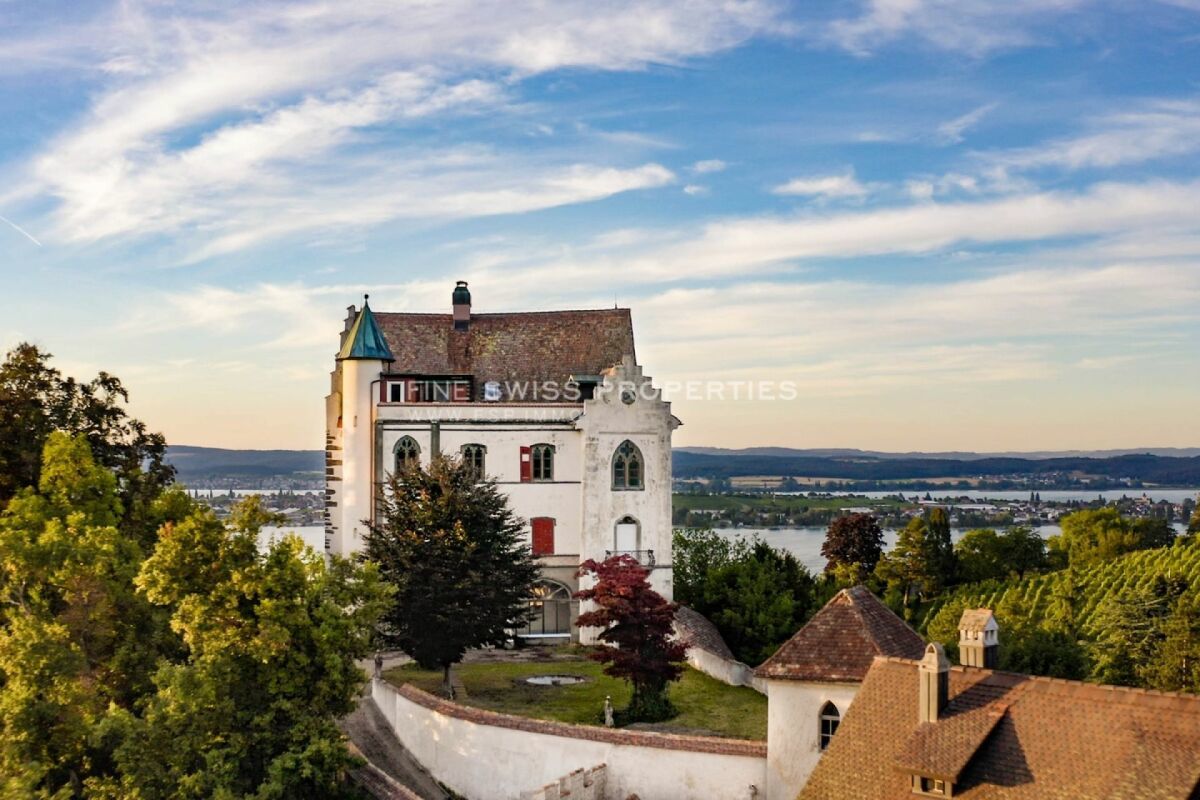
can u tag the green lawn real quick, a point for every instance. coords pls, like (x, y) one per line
(706, 706)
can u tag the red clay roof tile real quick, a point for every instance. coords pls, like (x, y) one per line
(839, 643)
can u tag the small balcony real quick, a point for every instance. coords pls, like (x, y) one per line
(643, 557)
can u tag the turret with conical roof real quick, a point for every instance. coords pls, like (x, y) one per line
(364, 340)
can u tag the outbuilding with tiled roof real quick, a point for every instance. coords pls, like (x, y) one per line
(1005, 736)
(813, 678)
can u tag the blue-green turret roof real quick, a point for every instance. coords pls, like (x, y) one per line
(365, 340)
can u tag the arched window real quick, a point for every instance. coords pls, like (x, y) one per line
(543, 462)
(473, 458)
(628, 537)
(830, 719)
(550, 609)
(627, 467)
(408, 454)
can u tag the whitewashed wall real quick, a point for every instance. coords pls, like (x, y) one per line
(490, 761)
(793, 731)
(726, 670)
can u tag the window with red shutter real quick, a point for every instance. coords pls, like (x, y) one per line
(543, 536)
(526, 464)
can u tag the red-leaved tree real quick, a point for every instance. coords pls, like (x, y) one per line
(637, 623)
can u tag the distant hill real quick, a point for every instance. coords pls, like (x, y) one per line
(861, 466)
(850, 453)
(196, 465)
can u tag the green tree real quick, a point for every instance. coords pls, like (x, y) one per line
(1102, 534)
(910, 568)
(941, 548)
(1150, 637)
(696, 553)
(1194, 524)
(272, 639)
(207, 670)
(457, 557)
(984, 554)
(74, 637)
(36, 400)
(757, 601)
(637, 623)
(853, 546)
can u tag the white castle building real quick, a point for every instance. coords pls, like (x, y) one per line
(551, 405)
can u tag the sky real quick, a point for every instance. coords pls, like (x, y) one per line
(921, 224)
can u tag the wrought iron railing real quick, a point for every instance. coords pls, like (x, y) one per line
(643, 557)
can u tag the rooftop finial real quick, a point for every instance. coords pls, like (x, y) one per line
(366, 297)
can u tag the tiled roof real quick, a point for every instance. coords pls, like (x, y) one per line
(975, 619)
(842, 639)
(695, 630)
(1012, 737)
(536, 347)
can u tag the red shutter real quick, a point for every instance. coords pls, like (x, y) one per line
(526, 465)
(543, 536)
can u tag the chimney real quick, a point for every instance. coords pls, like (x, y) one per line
(979, 639)
(351, 315)
(462, 306)
(934, 693)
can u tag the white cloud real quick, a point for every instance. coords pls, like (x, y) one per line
(951, 131)
(206, 116)
(1149, 130)
(975, 27)
(695, 190)
(708, 166)
(826, 186)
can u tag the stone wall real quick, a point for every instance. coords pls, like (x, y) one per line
(582, 784)
(488, 756)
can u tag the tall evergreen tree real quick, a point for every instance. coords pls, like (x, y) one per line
(457, 557)
(910, 568)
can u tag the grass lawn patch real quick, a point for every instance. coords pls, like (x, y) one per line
(706, 706)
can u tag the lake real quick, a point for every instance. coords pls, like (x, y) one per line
(805, 543)
(1047, 495)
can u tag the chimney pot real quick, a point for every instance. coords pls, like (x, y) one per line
(461, 301)
(979, 639)
(934, 694)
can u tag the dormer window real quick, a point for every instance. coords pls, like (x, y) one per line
(830, 719)
(927, 786)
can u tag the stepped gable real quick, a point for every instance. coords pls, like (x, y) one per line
(1005, 736)
(536, 347)
(840, 642)
(695, 630)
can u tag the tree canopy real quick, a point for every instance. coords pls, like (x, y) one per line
(1102, 534)
(755, 595)
(984, 554)
(36, 400)
(201, 668)
(457, 556)
(638, 623)
(853, 546)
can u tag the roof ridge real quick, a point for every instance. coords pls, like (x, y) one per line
(1052, 681)
(475, 314)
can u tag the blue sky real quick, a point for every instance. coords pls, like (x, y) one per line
(947, 223)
